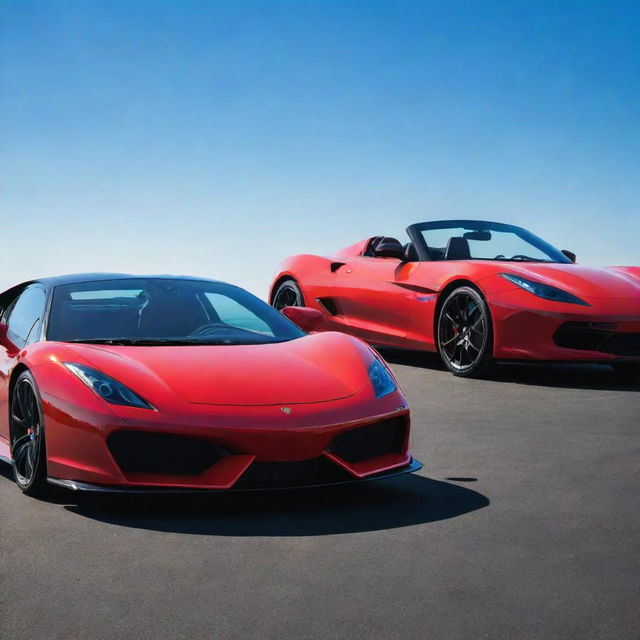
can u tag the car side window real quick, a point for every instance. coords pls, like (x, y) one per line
(24, 317)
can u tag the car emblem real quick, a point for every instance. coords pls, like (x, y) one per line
(286, 410)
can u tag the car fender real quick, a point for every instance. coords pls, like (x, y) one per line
(312, 273)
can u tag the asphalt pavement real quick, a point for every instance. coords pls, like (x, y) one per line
(523, 524)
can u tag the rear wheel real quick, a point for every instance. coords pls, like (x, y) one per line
(288, 294)
(27, 437)
(464, 333)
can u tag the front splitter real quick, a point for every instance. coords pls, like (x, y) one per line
(72, 485)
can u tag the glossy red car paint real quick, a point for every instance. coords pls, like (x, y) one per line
(392, 302)
(282, 402)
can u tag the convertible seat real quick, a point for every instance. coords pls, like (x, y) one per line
(457, 249)
(410, 253)
(377, 240)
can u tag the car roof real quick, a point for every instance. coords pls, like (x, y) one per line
(78, 278)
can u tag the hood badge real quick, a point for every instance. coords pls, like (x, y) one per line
(286, 410)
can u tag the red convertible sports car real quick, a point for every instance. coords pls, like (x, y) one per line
(473, 291)
(113, 382)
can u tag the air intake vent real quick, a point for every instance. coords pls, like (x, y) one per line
(597, 336)
(386, 436)
(622, 344)
(143, 452)
(291, 474)
(329, 304)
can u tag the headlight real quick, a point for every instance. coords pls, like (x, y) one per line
(381, 379)
(545, 291)
(107, 388)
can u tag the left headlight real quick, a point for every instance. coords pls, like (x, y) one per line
(545, 291)
(381, 380)
(107, 388)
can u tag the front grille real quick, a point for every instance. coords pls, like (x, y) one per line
(291, 474)
(597, 336)
(362, 443)
(143, 452)
(622, 344)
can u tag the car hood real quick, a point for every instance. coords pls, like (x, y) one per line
(587, 282)
(315, 368)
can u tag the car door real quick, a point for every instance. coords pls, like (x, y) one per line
(23, 317)
(375, 297)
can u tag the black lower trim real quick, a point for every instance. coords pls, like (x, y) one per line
(72, 485)
(329, 304)
(597, 336)
(531, 361)
(370, 441)
(316, 471)
(162, 453)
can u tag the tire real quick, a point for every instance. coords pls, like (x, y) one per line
(288, 294)
(28, 448)
(464, 333)
(627, 368)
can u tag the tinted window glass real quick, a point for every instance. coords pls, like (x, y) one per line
(233, 313)
(25, 316)
(164, 311)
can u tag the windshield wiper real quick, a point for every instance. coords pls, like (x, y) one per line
(152, 342)
(139, 342)
(523, 259)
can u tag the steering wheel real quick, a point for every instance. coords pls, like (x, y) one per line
(210, 327)
(517, 256)
(521, 256)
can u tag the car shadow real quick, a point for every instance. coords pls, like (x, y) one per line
(570, 376)
(373, 506)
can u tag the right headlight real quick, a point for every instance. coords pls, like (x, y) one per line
(545, 291)
(381, 380)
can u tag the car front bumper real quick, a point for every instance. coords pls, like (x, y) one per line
(223, 448)
(606, 331)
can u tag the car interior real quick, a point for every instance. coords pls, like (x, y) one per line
(457, 249)
(139, 315)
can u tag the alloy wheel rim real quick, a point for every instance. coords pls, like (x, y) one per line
(26, 432)
(287, 296)
(462, 332)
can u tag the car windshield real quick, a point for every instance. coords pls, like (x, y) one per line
(164, 311)
(475, 240)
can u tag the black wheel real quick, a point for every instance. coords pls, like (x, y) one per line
(27, 437)
(288, 294)
(627, 368)
(464, 333)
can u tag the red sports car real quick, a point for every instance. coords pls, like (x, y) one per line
(147, 383)
(473, 291)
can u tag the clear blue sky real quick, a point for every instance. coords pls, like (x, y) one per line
(215, 138)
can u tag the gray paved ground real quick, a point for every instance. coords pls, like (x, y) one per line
(523, 524)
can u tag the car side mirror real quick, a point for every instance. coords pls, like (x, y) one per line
(389, 249)
(569, 254)
(5, 341)
(306, 318)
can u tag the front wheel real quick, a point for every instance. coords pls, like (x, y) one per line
(464, 333)
(27, 437)
(288, 294)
